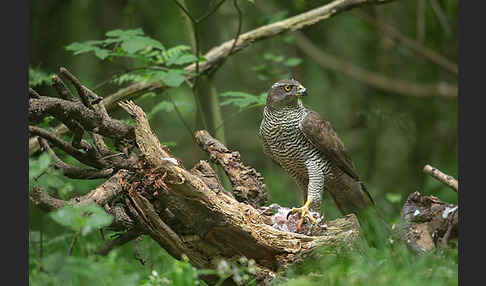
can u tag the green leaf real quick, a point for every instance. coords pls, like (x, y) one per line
(149, 42)
(184, 59)
(133, 45)
(79, 48)
(243, 100)
(291, 62)
(172, 78)
(101, 53)
(83, 218)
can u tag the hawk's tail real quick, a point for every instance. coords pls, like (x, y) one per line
(365, 191)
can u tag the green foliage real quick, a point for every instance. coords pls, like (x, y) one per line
(243, 100)
(394, 265)
(83, 219)
(59, 269)
(39, 77)
(149, 54)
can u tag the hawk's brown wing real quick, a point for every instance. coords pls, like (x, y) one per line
(323, 136)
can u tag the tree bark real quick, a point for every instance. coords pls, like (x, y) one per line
(427, 223)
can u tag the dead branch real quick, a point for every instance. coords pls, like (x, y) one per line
(217, 54)
(73, 171)
(427, 223)
(101, 195)
(247, 183)
(372, 78)
(89, 119)
(441, 177)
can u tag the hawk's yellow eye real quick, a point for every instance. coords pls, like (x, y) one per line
(287, 87)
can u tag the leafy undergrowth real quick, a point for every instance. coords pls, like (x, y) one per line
(374, 267)
(394, 265)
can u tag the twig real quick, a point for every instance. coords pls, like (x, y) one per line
(68, 148)
(195, 23)
(240, 22)
(137, 251)
(210, 12)
(372, 78)
(238, 32)
(83, 92)
(181, 118)
(74, 172)
(439, 12)
(75, 238)
(62, 89)
(104, 193)
(441, 177)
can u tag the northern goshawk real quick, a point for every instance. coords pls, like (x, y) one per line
(309, 149)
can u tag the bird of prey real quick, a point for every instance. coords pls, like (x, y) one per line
(308, 148)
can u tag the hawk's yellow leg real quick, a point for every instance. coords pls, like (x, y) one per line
(304, 212)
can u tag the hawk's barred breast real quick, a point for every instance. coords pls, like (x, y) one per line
(285, 143)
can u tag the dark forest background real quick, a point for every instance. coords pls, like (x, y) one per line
(390, 132)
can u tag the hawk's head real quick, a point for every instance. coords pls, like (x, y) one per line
(285, 93)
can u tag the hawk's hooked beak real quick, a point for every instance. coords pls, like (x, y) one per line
(301, 91)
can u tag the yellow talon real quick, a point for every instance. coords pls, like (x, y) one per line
(304, 212)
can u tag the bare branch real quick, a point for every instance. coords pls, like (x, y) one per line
(45, 201)
(441, 177)
(90, 120)
(33, 93)
(81, 156)
(73, 171)
(83, 92)
(62, 89)
(372, 78)
(103, 194)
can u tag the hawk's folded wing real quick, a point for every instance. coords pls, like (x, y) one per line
(323, 136)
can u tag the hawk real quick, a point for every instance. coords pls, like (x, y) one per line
(308, 148)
